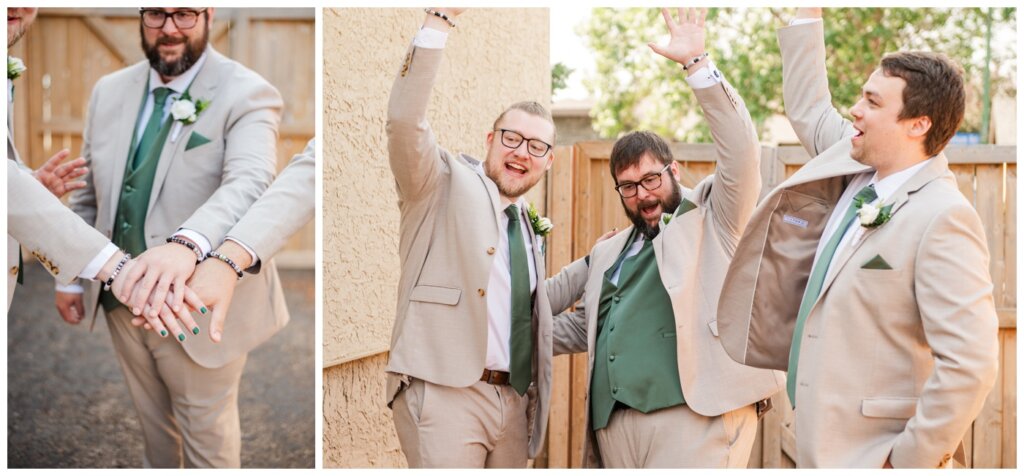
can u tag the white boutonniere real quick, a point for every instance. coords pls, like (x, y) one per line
(871, 216)
(185, 111)
(541, 225)
(15, 66)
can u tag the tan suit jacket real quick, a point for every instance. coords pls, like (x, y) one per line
(286, 206)
(693, 252)
(206, 189)
(447, 236)
(60, 240)
(892, 360)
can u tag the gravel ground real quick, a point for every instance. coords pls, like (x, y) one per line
(68, 405)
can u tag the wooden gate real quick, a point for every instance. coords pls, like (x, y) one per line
(581, 198)
(68, 50)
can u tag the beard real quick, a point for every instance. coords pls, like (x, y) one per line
(17, 34)
(668, 205)
(493, 169)
(193, 50)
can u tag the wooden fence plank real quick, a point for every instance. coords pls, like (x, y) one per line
(1009, 370)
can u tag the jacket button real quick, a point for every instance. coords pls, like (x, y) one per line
(481, 292)
(14, 270)
(490, 250)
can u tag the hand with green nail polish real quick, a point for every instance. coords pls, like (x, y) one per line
(214, 281)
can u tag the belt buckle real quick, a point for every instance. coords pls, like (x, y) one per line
(762, 407)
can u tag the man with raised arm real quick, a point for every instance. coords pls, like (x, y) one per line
(865, 274)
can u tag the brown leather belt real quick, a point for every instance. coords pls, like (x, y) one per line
(495, 377)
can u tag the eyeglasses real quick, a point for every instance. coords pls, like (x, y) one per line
(650, 183)
(513, 140)
(183, 19)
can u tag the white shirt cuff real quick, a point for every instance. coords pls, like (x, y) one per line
(197, 238)
(93, 268)
(430, 38)
(73, 288)
(803, 21)
(252, 254)
(705, 77)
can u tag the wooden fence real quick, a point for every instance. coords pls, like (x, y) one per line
(68, 50)
(581, 198)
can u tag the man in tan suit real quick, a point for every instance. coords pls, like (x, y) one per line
(469, 374)
(65, 245)
(167, 185)
(661, 390)
(865, 274)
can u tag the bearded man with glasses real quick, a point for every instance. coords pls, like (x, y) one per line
(181, 146)
(662, 392)
(469, 372)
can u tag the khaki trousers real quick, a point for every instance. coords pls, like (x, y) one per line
(677, 437)
(480, 426)
(188, 413)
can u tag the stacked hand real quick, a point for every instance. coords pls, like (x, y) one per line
(686, 40)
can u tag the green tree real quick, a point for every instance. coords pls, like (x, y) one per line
(559, 77)
(636, 89)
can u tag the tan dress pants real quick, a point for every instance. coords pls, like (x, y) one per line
(677, 437)
(480, 426)
(188, 413)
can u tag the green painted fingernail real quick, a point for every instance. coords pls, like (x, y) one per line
(163, 333)
(195, 330)
(202, 310)
(181, 337)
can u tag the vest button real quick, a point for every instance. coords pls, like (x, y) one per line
(490, 250)
(129, 188)
(615, 389)
(126, 226)
(611, 329)
(611, 357)
(616, 298)
(481, 292)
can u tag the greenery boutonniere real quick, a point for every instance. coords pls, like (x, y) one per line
(871, 216)
(185, 111)
(15, 66)
(541, 225)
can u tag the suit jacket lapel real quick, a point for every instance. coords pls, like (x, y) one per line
(125, 125)
(937, 168)
(203, 87)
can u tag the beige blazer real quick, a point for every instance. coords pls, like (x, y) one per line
(60, 240)
(447, 236)
(892, 360)
(206, 189)
(693, 252)
(286, 206)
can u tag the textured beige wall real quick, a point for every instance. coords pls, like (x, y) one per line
(495, 57)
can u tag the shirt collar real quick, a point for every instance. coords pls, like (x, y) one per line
(180, 83)
(888, 186)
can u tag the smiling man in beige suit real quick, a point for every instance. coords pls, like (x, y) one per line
(865, 274)
(156, 175)
(662, 392)
(469, 374)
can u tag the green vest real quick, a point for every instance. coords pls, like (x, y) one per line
(129, 222)
(635, 359)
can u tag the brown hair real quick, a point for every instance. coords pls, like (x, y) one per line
(630, 149)
(533, 108)
(935, 88)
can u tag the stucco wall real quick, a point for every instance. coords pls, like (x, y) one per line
(494, 58)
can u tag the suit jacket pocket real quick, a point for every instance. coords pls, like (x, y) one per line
(891, 407)
(436, 294)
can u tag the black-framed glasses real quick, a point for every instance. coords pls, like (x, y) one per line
(156, 18)
(513, 140)
(649, 182)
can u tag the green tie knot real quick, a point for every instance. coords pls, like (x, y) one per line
(513, 213)
(865, 195)
(160, 97)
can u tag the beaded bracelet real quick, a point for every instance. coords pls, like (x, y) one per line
(188, 244)
(441, 16)
(117, 269)
(214, 254)
(695, 60)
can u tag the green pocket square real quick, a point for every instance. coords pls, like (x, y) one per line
(876, 263)
(196, 140)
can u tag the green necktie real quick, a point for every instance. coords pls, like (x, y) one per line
(817, 279)
(521, 338)
(153, 126)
